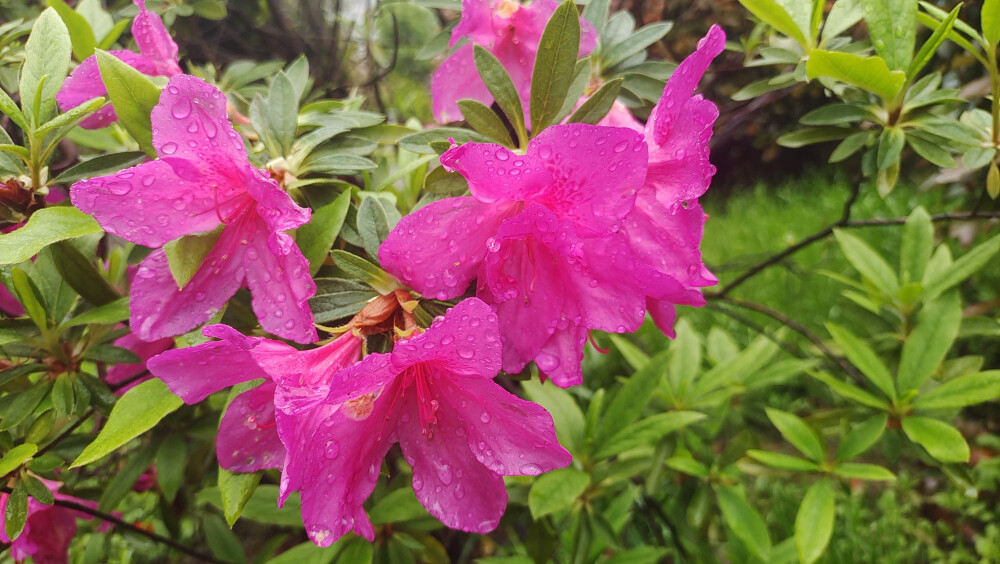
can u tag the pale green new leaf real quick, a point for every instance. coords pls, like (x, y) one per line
(556, 490)
(771, 13)
(814, 521)
(44, 227)
(743, 519)
(799, 433)
(942, 441)
(869, 263)
(892, 25)
(961, 391)
(869, 73)
(46, 61)
(925, 348)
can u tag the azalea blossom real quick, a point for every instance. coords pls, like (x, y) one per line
(665, 228)
(509, 30)
(157, 56)
(47, 533)
(203, 182)
(540, 234)
(434, 394)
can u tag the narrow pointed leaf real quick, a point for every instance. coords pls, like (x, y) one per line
(814, 521)
(555, 65)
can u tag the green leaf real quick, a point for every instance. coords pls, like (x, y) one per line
(440, 181)
(850, 145)
(99, 166)
(221, 541)
(555, 65)
(628, 403)
(862, 356)
(30, 297)
(634, 44)
(861, 437)
(892, 25)
(566, 414)
(360, 269)
(24, 404)
(17, 511)
(917, 244)
(72, 116)
(835, 114)
(485, 121)
(81, 274)
(8, 107)
(63, 399)
(80, 34)
(743, 519)
(38, 490)
(15, 457)
(111, 354)
(133, 96)
(648, 430)
(316, 237)
(499, 84)
(185, 256)
(420, 142)
(171, 462)
(598, 105)
(935, 282)
(109, 313)
(862, 471)
(928, 344)
(961, 391)
(812, 135)
(136, 412)
(556, 490)
(990, 19)
(771, 13)
(44, 227)
(993, 181)
(397, 506)
(236, 489)
(688, 465)
(942, 441)
(46, 60)
(797, 432)
(783, 461)
(890, 145)
(637, 555)
(814, 521)
(869, 263)
(930, 46)
(869, 73)
(843, 15)
(337, 298)
(282, 113)
(373, 226)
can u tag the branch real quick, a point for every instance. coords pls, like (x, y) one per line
(64, 434)
(119, 522)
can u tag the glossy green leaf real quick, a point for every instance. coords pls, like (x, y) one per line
(44, 227)
(814, 521)
(835, 114)
(99, 166)
(133, 96)
(338, 298)
(861, 437)
(555, 65)
(743, 519)
(136, 412)
(942, 441)
(501, 87)
(799, 433)
(186, 255)
(420, 142)
(484, 120)
(30, 297)
(235, 490)
(961, 391)
(869, 263)
(397, 506)
(892, 25)
(15, 457)
(39, 491)
(556, 490)
(24, 405)
(869, 73)
(81, 274)
(373, 225)
(862, 356)
(316, 237)
(360, 269)
(109, 313)
(16, 514)
(46, 61)
(926, 347)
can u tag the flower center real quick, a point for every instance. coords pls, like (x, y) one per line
(427, 403)
(507, 8)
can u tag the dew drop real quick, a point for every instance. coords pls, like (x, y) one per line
(485, 418)
(169, 148)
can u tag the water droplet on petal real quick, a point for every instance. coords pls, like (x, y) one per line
(168, 148)
(485, 418)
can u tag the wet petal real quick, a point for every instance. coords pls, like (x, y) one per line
(85, 83)
(476, 23)
(437, 249)
(274, 205)
(679, 168)
(596, 172)
(453, 486)
(664, 314)
(248, 438)
(303, 377)
(509, 435)
(454, 80)
(194, 373)
(465, 341)
(496, 174)
(160, 309)
(148, 204)
(560, 358)
(279, 284)
(154, 41)
(374, 372)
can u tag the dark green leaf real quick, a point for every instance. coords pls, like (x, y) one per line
(63, 398)
(336, 298)
(17, 511)
(316, 237)
(745, 522)
(222, 542)
(648, 430)
(555, 65)
(30, 297)
(628, 403)
(81, 274)
(812, 135)
(362, 270)
(419, 142)
(782, 461)
(111, 354)
(485, 121)
(24, 404)
(499, 84)
(373, 225)
(171, 462)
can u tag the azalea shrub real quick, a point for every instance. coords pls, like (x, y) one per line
(228, 295)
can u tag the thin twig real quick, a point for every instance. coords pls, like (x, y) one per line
(121, 523)
(119, 385)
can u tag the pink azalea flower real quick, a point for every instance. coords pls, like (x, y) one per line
(434, 394)
(157, 56)
(665, 228)
(202, 181)
(511, 32)
(49, 529)
(539, 232)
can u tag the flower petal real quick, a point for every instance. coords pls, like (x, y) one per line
(496, 174)
(279, 284)
(679, 169)
(194, 373)
(144, 350)
(335, 460)
(596, 172)
(248, 440)
(437, 249)
(465, 341)
(561, 357)
(85, 83)
(274, 205)
(303, 377)
(453, 486)
(160, 309)
(148, 204)
(476, 23)
(507, 434)
(154, 41)
(374, 372)
(455, 79)
(664, 314)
